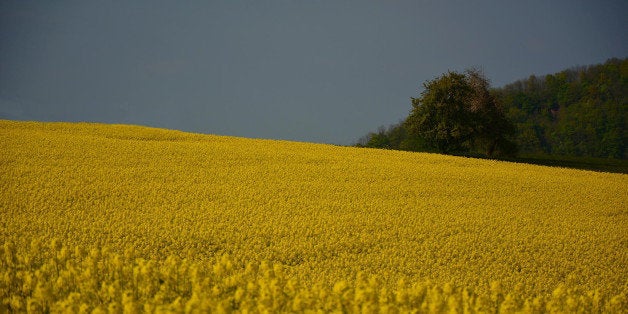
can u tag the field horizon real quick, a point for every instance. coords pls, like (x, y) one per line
(328, 217)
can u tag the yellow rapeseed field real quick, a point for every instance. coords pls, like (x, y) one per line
(124, 219)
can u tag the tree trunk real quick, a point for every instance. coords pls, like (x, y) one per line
(491, 148)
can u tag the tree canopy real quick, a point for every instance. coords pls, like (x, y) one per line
(456, 114)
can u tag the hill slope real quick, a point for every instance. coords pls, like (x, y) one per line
(324, 212)
(577, 112)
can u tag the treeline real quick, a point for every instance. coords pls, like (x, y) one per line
(579, 112)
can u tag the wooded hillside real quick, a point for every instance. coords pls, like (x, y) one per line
(578, 112)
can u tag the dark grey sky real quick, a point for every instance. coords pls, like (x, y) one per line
(319, 71)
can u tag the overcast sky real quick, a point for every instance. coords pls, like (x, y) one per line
(316, 71)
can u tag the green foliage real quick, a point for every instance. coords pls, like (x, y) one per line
(580, 112)
(395, 137)
(492, 130)
(441, 115)
(456, 113)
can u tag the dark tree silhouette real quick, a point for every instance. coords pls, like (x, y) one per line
(457, 113)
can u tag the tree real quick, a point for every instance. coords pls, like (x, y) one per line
(456, 113)
(440, 115)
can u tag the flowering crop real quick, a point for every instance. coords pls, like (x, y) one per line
(123, 218)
